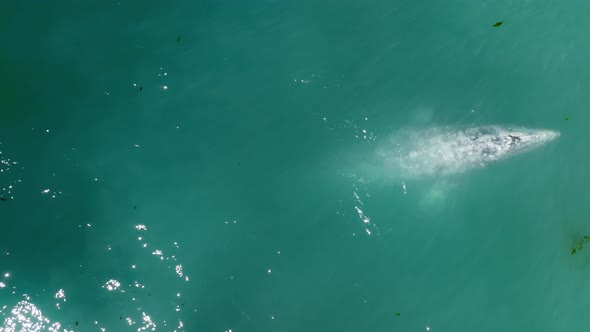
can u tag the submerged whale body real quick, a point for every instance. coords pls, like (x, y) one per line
(446, 151)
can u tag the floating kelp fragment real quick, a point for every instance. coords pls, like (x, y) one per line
(580, 244)
(497, 24)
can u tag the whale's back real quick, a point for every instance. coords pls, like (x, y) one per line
(444, 151)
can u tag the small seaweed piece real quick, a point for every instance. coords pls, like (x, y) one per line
(580, 244)
(566, 118)
(497, 24)
(178, 39)
(397, 314)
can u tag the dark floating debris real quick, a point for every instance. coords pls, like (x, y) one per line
(566, 118)
(580, 244)
(178, 39)
(497, 24)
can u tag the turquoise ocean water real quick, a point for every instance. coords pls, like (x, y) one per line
(198, 166)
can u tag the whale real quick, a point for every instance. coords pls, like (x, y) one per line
(443, 151)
